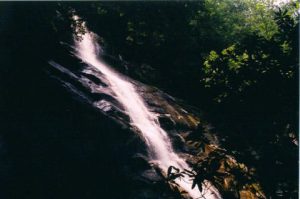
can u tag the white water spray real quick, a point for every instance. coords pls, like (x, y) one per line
(159, 145)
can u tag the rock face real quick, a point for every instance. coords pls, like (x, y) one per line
(191, 139)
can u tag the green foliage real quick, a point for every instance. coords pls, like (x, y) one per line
(245, 64)
(234, 19)
(254, 84)
(232, 178)
(215, 167)
(233, 70)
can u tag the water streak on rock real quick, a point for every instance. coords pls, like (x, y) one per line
(159, 145)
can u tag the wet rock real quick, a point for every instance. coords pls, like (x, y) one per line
(195, 147)
(166, 123)
(177, 189)
(185, 134)
(140, 162)
(145, 194)
(179, 143)
(152, 176)
(247, 195)
(232, 178)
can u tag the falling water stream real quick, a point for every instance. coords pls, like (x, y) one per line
(158, 143)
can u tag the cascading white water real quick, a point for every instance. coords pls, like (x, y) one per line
(159, 145)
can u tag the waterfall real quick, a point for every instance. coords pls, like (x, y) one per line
(158, 143)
